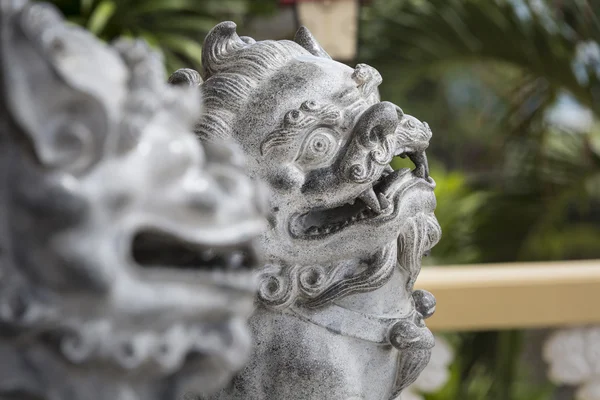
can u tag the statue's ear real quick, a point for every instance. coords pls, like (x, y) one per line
(305, 39)
(185, 77)
(220, 45)
(52, 91)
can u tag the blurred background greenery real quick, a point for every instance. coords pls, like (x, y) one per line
(176, 27)
(511, 89)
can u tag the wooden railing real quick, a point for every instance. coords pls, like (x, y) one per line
(515, 295)
(562, 295)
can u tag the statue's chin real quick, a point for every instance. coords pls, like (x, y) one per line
(419, 234)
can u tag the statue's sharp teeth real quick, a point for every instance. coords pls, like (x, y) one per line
(370, 199)
(383, 201)
(208, 255)
(236, 259)
(312, 230)
(420, 161)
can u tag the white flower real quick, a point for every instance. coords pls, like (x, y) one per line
(574, 359)
(435, 375)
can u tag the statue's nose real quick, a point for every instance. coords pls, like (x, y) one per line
(378, 122)
(372, 144)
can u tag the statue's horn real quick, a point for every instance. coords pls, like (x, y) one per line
(185, 77)
(305, 39)
(220, 43)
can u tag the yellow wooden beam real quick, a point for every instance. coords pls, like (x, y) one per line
(515, 295)
(334, 23)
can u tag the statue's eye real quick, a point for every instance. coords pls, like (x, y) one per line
(410, 124)
(293, 117)
(318, 148)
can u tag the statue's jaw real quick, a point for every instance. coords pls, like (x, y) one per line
(377, 206)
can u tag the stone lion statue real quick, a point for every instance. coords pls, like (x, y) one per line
(125, 245)
(337, 315)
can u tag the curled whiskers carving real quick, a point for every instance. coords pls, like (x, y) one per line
(376, 273)
(383, 154)
(379, 154)
(313, 286)
(278, 285)
(421, 234)
(315, 279)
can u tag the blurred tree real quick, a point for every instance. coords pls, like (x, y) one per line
(511, 89)
(175, 27)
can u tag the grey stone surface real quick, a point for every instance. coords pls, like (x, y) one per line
(337, 316)
(124, 244)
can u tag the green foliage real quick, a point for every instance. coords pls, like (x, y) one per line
(494, 380)
(175, 27)
(527, 34)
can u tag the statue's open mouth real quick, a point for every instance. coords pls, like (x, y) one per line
(192, 297)
(229, 266)
(376, 204)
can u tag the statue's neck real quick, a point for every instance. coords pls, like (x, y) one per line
(373, 285)
(391, 300)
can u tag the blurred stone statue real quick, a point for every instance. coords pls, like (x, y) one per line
(125, 246)
(338, 318)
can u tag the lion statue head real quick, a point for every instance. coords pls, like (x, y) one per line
(316, 131)
(347, 232)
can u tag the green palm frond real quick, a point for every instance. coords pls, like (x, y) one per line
(545, 39)
(175, 27)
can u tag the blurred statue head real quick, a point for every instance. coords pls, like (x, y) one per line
(125, 246)
(316, 131)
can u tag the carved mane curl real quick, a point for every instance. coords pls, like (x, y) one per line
(233, 68)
